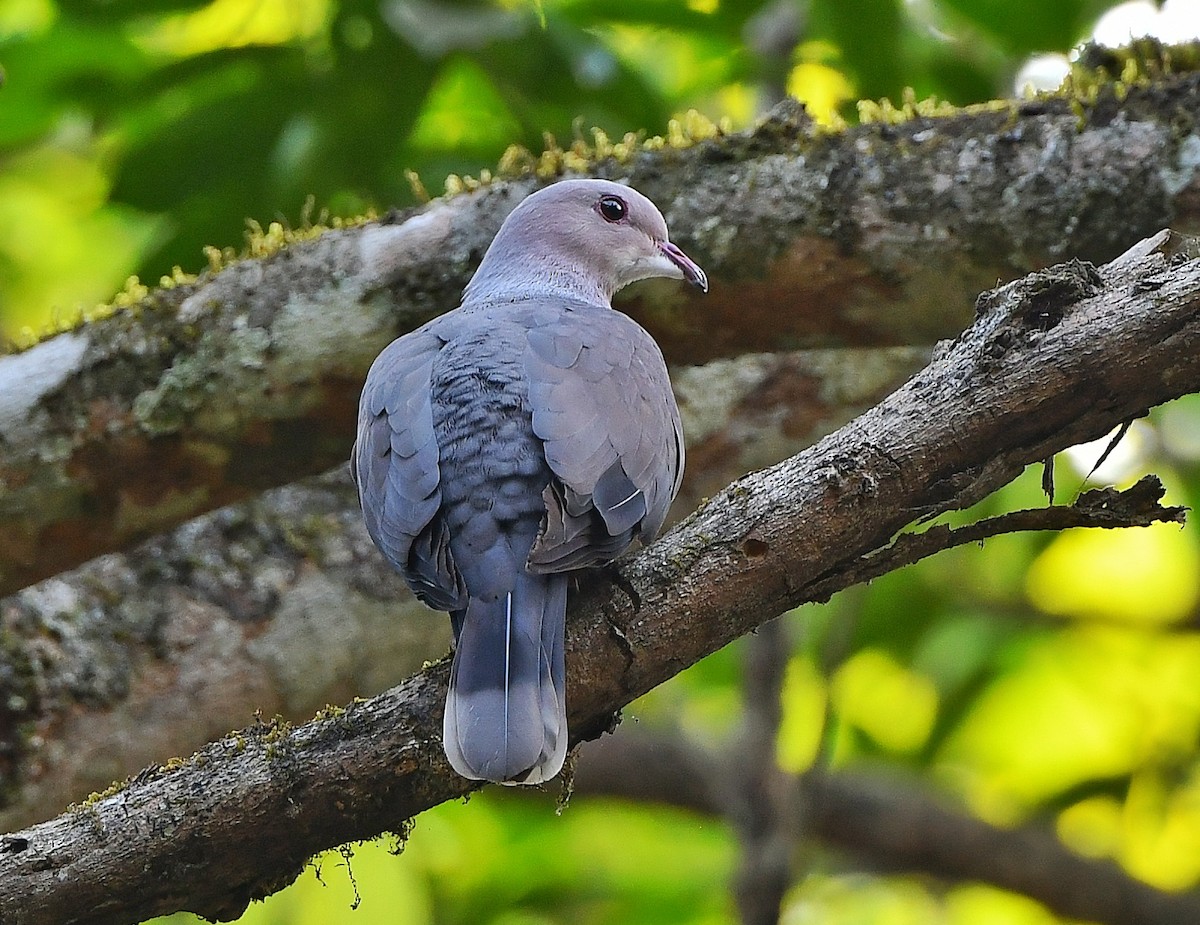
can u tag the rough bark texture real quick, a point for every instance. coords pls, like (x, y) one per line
(1054, 359)
(283, 604)
(879, 235)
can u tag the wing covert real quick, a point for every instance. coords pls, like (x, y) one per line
(395, 466)
(603, 407)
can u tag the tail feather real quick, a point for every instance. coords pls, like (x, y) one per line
(506, 718)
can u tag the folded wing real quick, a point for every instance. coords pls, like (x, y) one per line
(395, 466)
(603, 408)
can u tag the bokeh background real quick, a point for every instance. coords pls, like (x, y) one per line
(1049, 678)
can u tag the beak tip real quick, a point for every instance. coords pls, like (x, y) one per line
(687, 266)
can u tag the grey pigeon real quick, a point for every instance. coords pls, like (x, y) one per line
(530, 432)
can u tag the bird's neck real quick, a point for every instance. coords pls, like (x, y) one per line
(541, 275)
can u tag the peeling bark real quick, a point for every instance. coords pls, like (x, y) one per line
(212, 392)
(1054, 359)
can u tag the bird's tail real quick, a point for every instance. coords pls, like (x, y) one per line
(506, 718)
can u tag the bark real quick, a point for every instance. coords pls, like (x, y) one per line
(282, 604)
(1054, 359)
(214, 391)
(892, 824)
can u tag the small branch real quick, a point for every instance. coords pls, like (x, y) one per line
(1054, 359)
(1110, 508)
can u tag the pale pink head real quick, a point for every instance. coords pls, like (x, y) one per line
(583, 239)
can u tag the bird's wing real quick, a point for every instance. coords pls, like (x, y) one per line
(603, 407)
(395, 466)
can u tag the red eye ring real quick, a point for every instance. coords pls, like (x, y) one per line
(611, 208)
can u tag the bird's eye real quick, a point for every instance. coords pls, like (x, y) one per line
(611, 208)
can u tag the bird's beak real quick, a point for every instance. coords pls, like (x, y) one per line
(687, 266)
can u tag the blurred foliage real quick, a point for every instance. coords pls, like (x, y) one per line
(1044, 677)
(160, 126)
(599, 862)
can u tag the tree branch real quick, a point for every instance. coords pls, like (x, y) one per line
(281, 604)
(1054, 359)
(1137, 506)
(884, 821)
(214, 391)
(757, 792)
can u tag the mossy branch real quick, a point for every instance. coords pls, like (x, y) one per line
(209, 390)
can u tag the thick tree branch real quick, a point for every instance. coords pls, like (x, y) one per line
(142, 655)
(214, 391)
(891, 824)
(1054, 359)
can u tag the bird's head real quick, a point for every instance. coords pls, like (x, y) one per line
(589, 238)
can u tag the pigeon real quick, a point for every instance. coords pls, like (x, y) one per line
(528, 433)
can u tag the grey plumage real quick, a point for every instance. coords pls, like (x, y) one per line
(530, 432)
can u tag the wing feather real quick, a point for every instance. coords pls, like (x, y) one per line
(603, 407)
(395, 466)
